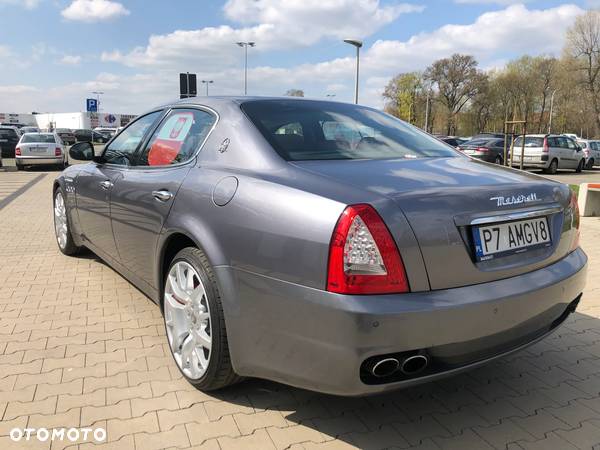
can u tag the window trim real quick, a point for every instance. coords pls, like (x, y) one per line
(163, 118)
(146, 139)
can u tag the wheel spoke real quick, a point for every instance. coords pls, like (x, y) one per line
(180, 294)
(187, 347)
(203, 339)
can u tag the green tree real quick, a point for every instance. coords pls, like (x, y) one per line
(403, 96)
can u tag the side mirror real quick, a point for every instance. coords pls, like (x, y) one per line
(82, 151)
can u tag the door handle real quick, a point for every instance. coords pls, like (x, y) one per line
(162, 196)
(106, 185)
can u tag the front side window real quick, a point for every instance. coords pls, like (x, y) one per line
(122, 149)
(177, 138)
(311, 130)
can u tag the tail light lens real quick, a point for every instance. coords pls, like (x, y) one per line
(574, 207)
(459, 148)
(545, 148)
(18, 151)
(57, 151)
(482, 149)
(363, 257)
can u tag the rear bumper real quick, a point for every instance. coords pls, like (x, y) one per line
(38, 160)
(318, 340)
(531, 163)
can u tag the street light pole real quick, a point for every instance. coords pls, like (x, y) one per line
(246, 45)
(551, 111)
(207, 82)
(98, 94)
(358, 45)
(329, 95)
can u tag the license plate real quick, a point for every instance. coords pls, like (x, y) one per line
(502, 239)
(469, 152)
(39, 149)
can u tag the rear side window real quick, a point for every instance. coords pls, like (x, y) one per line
(177, 138)
(45, 138)
(312, 130)
(530, 141)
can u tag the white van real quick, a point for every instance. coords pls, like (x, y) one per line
(548, 152)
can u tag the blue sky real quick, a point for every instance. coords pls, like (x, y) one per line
(53, 53)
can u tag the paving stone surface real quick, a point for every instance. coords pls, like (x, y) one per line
(81, 347)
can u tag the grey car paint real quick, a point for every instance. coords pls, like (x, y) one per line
(269, 249)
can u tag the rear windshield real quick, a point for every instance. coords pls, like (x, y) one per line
(476, 142)
(530, 141)
(35, 137)
(310, 130)
(8, 133)
(63, 130)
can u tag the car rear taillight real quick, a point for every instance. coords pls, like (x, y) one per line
(545, 148)
(363, 257)
(574, 207)
(57, 151)
(482, 149)
(18, 151)
(459, 148)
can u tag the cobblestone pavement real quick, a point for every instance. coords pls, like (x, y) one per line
(79, 346)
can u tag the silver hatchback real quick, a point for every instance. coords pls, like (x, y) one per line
(548, 152)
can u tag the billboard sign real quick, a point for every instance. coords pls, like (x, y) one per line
(91, 105)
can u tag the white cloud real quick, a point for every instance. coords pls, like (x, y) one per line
(491, 2)
(272, 24)
(94, 10)
(28, 4)
(71, 60)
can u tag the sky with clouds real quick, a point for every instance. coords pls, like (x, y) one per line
(54, 53)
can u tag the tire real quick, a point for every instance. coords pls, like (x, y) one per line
(185, 314)
(580, 166)
(19, 167)
(553, 167)
(590, 164)
(65, 242)
(498, 160)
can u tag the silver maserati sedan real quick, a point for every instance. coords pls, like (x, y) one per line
(320, 244)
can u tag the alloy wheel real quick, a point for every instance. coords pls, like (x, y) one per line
(187, 316)
(61, 227)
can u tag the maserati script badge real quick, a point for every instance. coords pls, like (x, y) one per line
(515, 200)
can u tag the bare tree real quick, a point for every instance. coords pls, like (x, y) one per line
(583, 45)
(457, 80)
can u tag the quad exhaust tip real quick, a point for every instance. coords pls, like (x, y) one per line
(385, 367)
(414, 364)
(408, 366)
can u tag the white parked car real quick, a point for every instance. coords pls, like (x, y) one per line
(591, 150)
(549, 152)
(39, 149)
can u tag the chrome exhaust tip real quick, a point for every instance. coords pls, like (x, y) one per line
(385, 367)
(414, 364)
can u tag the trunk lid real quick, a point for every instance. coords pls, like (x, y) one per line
(443, 199)
(40, 149)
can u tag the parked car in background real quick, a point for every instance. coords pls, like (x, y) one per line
(90, 136)
(28, 129)
(488, 136)
(485, 149)
(40, 149)
(12, 124)
(66, 135)
(549, 153)
(591, 150)
(453, 141)
(9, 137)
(110, 132)
(374, 266)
